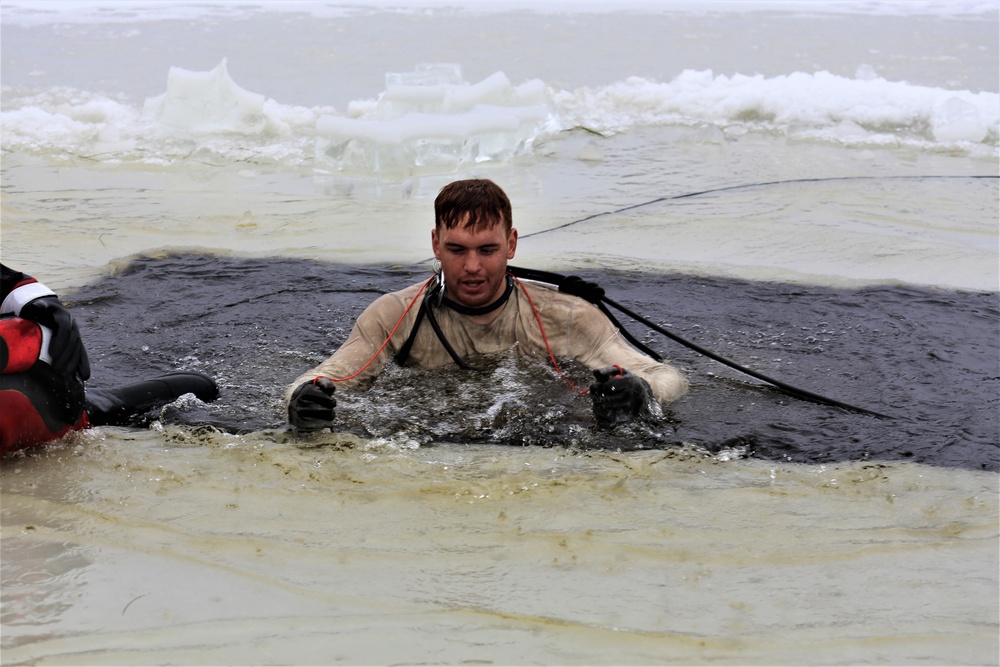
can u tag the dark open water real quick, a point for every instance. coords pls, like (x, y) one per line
(927, 357)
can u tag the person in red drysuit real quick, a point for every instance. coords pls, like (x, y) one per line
(44, 367)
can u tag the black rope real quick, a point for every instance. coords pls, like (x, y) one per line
(745, 186)
(596, 295)
(787, 388)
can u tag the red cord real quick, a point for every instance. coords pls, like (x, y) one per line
(538, 318)
(386, 342)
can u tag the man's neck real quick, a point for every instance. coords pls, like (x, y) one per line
(489, 312)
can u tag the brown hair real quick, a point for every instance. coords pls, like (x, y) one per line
(483, 200)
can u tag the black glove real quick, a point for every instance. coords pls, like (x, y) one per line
(312, 403)
(577, 286)
(66, 348)
(619, 396)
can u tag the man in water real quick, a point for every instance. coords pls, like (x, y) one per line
(475, 307)
(44, 365)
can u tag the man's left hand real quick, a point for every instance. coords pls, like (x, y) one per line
(619, 396)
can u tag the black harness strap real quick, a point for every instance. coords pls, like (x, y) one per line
(427, 310)
(404, 352)
(441, 337)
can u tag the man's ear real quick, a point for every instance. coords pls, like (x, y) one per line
(434, 243)
(511, 243)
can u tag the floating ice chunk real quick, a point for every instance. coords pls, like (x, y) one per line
(207, 102)
(494, 89)
(400, 98)
(427, 143)
(58, 127)
(532, 92)
(72, 121)
(958, 120)
(801, 104)
(430, 121)
(435, 89)
(450, 98)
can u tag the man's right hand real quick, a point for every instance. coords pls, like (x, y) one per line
(312, 403)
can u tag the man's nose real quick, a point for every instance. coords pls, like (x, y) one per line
(472, 263)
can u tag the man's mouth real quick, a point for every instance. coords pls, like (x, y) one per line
(473, 285)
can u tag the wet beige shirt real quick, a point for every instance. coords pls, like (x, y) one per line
(575, 329)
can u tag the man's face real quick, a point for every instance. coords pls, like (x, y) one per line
(474, 262)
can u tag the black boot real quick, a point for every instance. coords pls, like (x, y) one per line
(119, 406)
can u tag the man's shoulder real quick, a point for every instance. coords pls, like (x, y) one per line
(560, 310)
(407, 293)
(394, 303)
(543, 293)
(541, 290)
